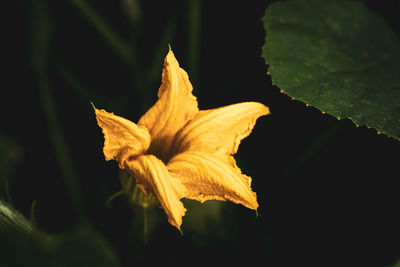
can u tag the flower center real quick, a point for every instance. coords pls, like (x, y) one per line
(161, 148)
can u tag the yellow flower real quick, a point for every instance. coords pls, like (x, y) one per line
(178, 151)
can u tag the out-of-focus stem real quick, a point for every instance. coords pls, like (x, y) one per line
(40, 50)
(314, 147)
(100, 24)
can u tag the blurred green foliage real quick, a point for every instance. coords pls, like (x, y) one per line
(23, 245)
(11, 154)
(397, 264)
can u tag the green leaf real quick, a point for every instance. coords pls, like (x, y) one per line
(83, 246)
(337, 56)
(21, 244)
(12, 220)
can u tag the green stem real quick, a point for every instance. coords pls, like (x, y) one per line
(145, 226)
(59, 144)
(41, 37)
(112, 197)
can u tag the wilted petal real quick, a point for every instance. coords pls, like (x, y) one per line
(220, 129)
(209, 177)
(152, 177)
(122, 138)
(175, 106)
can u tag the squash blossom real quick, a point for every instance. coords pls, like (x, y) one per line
(178, 151)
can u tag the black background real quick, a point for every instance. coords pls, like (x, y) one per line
(328, 190)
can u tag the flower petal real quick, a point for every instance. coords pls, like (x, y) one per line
(122, 138)
(211, 177)
(220, 129)
(175, 106)
(152, 177)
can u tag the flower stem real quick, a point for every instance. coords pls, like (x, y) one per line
(145, 226)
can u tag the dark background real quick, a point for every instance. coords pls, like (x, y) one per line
(328, 190)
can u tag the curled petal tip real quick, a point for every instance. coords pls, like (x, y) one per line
(93, 105)
(266, 110)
